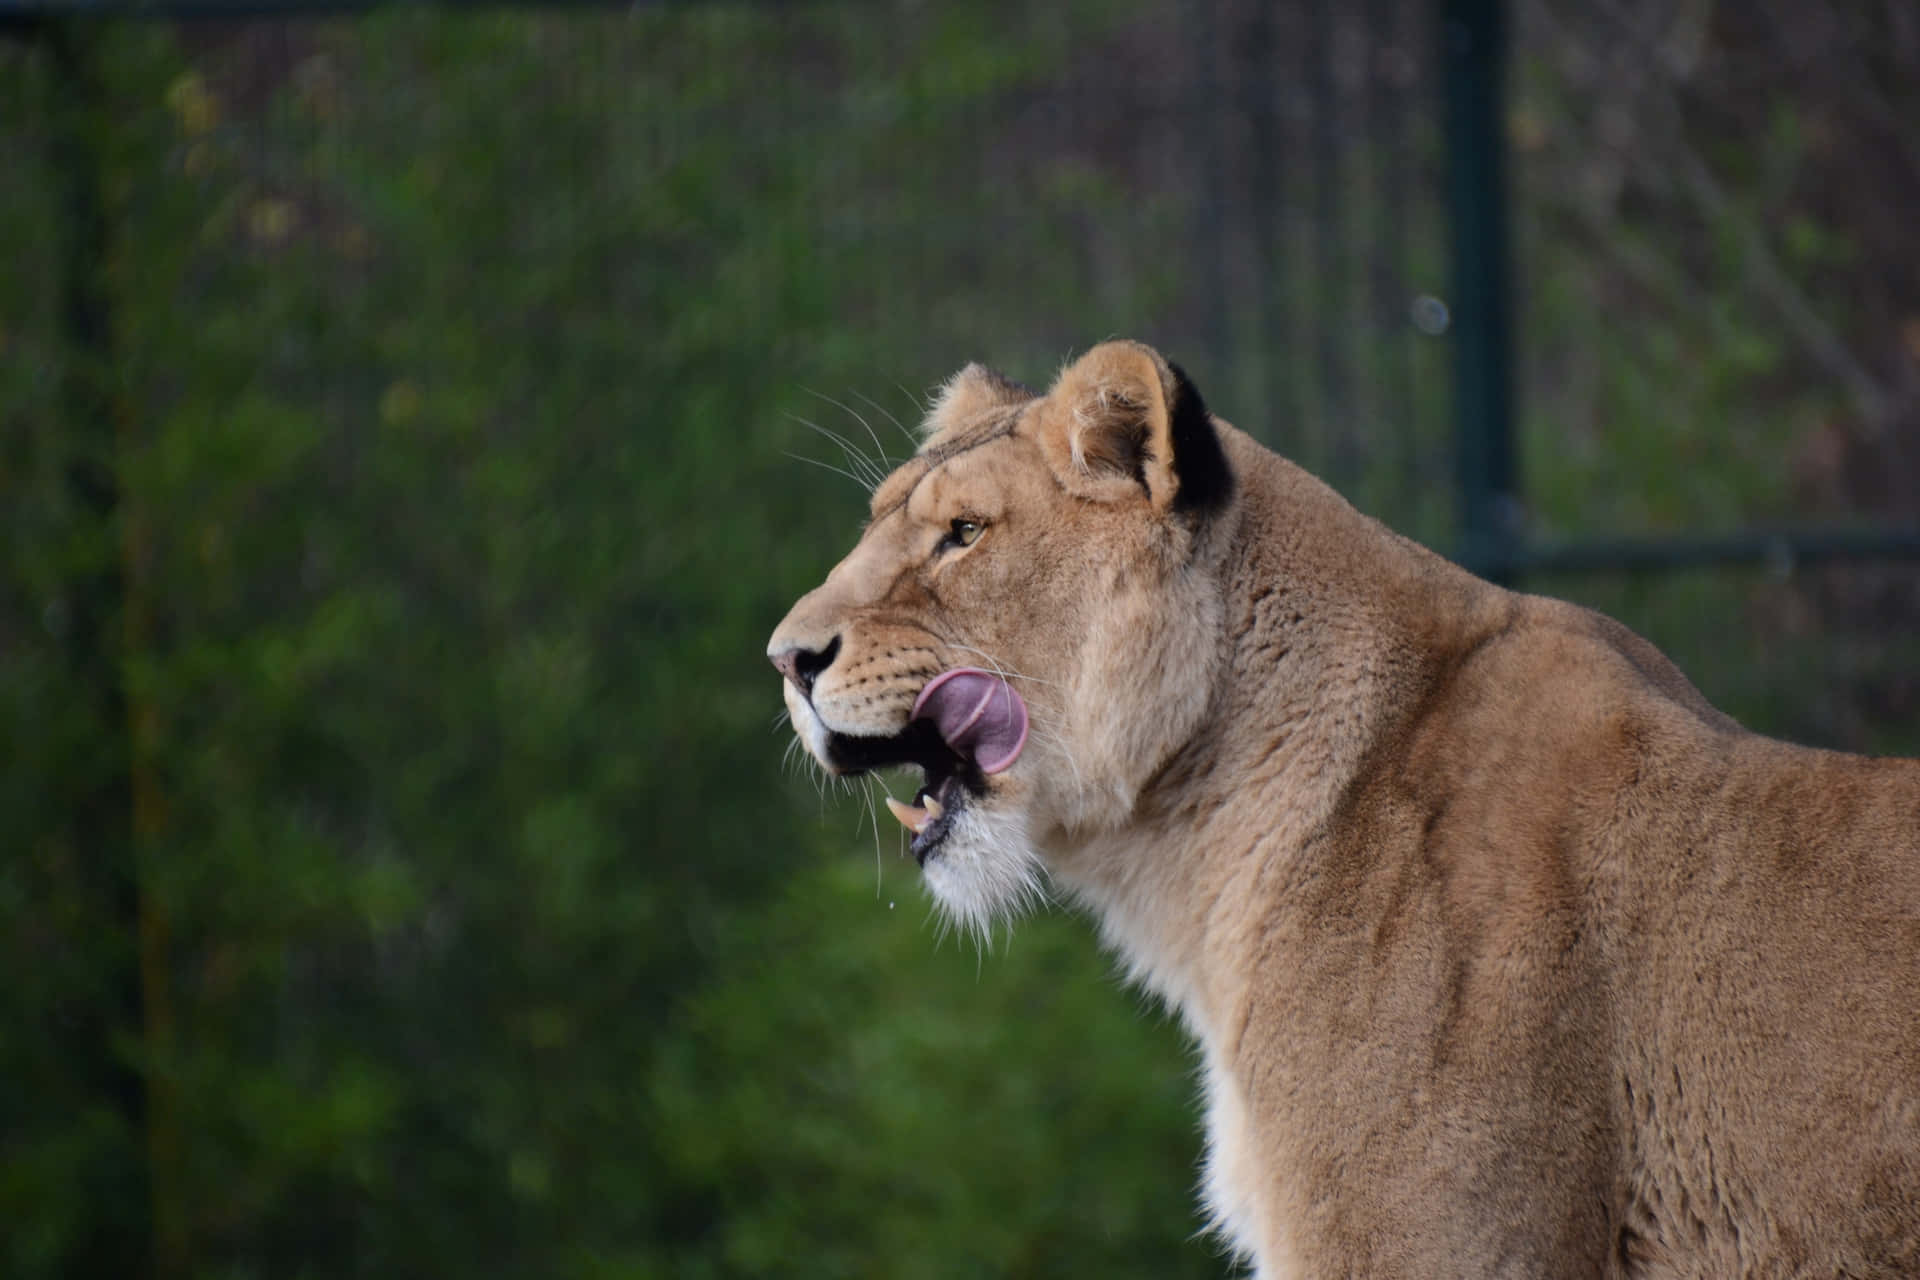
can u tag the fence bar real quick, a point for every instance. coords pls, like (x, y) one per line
(1784, 550)
(1473, 73)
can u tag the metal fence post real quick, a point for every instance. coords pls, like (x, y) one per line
(1473, 42)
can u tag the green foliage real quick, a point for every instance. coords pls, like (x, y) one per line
(454, 364)
(997, 1119)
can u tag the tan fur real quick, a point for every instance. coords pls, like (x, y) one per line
(1506, 953)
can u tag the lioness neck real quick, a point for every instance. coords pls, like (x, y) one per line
(1333, 627)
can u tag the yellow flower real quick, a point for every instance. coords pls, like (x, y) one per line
(400, 403)
(194, 105)
(270, 220)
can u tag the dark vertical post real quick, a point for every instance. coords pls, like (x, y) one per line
(1473, 70)
(1210, 209)
(111, 1014)
(1392, 238)
(1339, 452)
(1262, 78)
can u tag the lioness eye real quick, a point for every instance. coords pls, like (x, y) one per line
(964, 532)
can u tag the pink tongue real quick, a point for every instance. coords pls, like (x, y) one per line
(978, 714)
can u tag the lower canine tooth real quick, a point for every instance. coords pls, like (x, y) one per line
(912, 817)
(934, 809)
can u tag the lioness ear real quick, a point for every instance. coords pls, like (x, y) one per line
(1123, 420)
(971, 392)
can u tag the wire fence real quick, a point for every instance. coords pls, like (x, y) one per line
(1349, 207)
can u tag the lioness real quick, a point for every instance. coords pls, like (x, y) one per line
(1507, 954)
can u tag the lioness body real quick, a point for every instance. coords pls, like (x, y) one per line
(1507, 954)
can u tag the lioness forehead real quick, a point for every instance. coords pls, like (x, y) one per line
(942, 446)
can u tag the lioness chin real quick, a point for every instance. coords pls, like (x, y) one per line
(1507, 954)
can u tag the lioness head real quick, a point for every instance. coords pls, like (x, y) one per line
(1023, 618)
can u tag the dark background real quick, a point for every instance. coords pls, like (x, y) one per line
(398, 427)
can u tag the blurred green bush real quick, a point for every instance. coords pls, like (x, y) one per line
(457, 365)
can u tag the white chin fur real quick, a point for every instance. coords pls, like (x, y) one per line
(986, 870)
(806, 723)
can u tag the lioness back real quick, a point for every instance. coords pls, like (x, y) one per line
(1506, 953)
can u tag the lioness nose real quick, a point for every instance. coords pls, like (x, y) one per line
(803, 666)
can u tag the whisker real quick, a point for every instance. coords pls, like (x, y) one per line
(873, 815)
(921, 403)
(1052, 738)
(1004, 672)
(878, 448)
(828, 466)
(913, 441)
(856, 457)
(867, 465)
(880, 783)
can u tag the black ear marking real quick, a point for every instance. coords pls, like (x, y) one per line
(1206, 481)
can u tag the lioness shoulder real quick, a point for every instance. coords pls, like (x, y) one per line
(1506, 953)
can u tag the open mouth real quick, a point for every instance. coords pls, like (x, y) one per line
(950, 778)
(966, 724)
